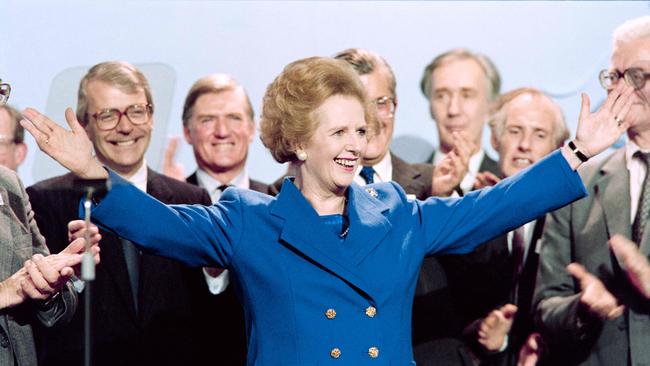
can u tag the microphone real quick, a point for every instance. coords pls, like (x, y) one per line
(97, 187)
(5, 90)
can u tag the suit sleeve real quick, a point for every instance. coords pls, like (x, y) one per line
(63, 309)
(556, 299)
(193, 234)
(458, 225)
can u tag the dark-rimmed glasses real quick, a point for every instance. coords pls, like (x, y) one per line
(138, 114)
(385, 106)
(634, 77)
(5, 90)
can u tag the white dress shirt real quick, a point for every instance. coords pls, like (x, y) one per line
(383, 171)
(218, 284)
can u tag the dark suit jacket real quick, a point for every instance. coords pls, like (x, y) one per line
(483, 280)
(19, 240)
(579, 233)
(225, 312)
(164, 331)
(437, 324)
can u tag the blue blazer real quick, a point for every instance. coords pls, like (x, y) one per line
(310, 299)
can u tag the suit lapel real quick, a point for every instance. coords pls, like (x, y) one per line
(304, 231)
(405, 175)
(612, 190)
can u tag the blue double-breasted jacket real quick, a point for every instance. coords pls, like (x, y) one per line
(310, 299)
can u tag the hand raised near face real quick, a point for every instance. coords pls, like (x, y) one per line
(72, 149)
(171, 168)
(449, 172)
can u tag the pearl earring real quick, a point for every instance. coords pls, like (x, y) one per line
(301, 155)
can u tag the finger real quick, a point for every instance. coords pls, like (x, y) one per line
(509, 311)
(580, 273)
(37, 279)
(28, 287)
(66, 274)
(612, 96)
(170, 151)
(585, 106)
(50, 274)
(39, 120)
(39, 136)
(616, 312)
(626, 96)
(623, 248)
(74, 124)
(75, 247)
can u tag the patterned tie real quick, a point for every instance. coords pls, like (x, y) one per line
(368, 174)
(644, 201)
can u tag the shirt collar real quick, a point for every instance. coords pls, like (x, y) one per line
(383, 171)
(208, 182)
(139, 179)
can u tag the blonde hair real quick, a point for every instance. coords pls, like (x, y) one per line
(290, 100)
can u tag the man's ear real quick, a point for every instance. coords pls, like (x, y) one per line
(20, 153)
(186, 135)
(494, 141)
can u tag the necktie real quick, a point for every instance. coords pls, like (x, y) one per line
(644, 201)
(518, 252)
(132, 258)
(216, 193)
(368, 174)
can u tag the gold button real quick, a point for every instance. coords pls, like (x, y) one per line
(373, 352)
(330, 313)
(371, 311)
(335, 353)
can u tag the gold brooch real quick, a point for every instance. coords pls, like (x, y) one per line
(372, 192)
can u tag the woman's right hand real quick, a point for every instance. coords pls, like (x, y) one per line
(72, 149)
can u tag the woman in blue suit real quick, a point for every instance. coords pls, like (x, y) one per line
(326, 270)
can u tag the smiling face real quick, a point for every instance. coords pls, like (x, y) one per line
(336, 147)
(459, 101)
(527, 135)
(635, 53)
(122, 148)
(220, 130)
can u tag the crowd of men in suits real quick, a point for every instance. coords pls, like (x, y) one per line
(519, 299)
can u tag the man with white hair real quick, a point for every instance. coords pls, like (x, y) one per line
(587, 298)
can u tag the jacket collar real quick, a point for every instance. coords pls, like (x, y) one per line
(304, 231)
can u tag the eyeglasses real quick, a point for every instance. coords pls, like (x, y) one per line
(385, 105)
(5, 90)
(138, 114)
(634, 77)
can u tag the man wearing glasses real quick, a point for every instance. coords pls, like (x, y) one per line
(144, 308)
(460, 85)
(432, 304)
(13, 149)
(592, 302)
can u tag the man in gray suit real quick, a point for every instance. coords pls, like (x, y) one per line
(13, 149)
(35, 285)
(587, 302)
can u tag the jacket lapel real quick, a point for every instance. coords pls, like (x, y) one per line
(405, 175)
(304, 231)
(612, 190)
